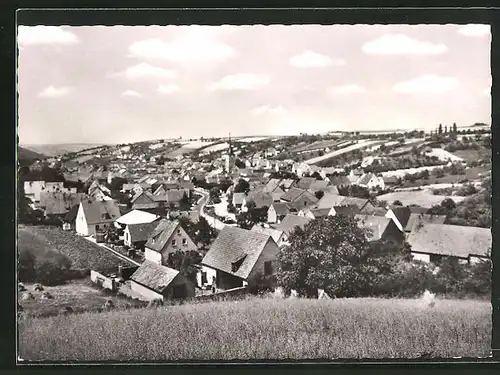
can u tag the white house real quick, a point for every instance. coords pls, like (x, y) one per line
(371, 181)
(33, 189)
(96, 216)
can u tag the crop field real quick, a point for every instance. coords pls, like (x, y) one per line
(84, 255)
(80, 295)
(423, 198)
(474, 155)
(265, 328)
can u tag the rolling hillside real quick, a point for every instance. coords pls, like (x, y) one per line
(26, 155)
(59, 149)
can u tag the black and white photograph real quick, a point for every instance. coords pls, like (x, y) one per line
(253, 192)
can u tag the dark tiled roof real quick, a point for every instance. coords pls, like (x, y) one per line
(319, 185)
(272, 185)
(350, 210)
(292, 194)
(274, 233)
(365, 179)
(261, 199)
(320, 212)
(154, 276)
(141, 232)
(339, 180)
(305, 182)
(291, 221)
(376, 224)
(161, 234)
(451, 240)
(416, 218)
(71, 214)
(281, 208)
(402, 213)
(101, 211)
(233, 246)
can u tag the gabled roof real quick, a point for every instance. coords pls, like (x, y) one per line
(339, 180)
(71, 214)
(100, 211)
(291, 221)
(141, 232)
(418, 209)
(305, 182)
(365, 178)
(281, 208)
(236, 247)
(375, 211)
(275, 234)
(154, 276)
(402, 213)
(350, 210)
(136, 217)
(261, 199)
(272, 185)
(152, 198)
(287, 183)
(330, 200)
(161, 234)
(451, 240)
(319, 212)
(416, 218)
(174, 196)
(319, 185)
(376, 224)
(58, 203)
(292, 194)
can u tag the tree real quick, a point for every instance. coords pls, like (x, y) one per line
(214, 193)
(448, 204)
(319, 194)
(242, 186)
(239, 164)
(252, 216)
(26, 265)
(397, 203)
(454, 128)
(185, 262)
(317, 176)
(325, 255)
(440, 129)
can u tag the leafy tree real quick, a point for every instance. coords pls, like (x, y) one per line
(242, 186)
(397, 203)
(440, 129)
(26, 265)
(454, 128)
(239, 164)
(52, 268)
(354, 191)
(214, 193)
(327, 254)
(448, 204)
(185, 262)
(317, 176)
(479, 279)
(252, 216)
(185, 204)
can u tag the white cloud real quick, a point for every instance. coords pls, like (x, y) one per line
(426, 84)
(267, 109)
(168, 89)
(194, 48)
(54, 92)
(310, 59)
(475, 30)
(347, 89)
(32, 35)
(132, 93)
(241, 81)
(144, 70)
(400, 44)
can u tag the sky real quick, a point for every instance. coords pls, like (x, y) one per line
(120, 84)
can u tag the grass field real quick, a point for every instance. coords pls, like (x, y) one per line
(470, 155)
(265, 329)
(424, 198)
(84, 255)
(80, 295)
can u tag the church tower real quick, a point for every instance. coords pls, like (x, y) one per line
(230, 157)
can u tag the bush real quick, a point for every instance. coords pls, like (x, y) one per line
(53, 268)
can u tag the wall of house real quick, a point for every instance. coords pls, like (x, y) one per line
(152, 256)
(179, 236)
(271, 215)
(81, 223)
(421, 257)
(126, 237)
(186, 286)
(393, 233)
(146, 293)
(269, 253)
(104, 281)
(210, 273)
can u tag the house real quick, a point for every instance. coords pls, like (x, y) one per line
(290, 222)
(59, 203)
(339, 181)
(301, 169)
(239, 200)
(380, 228)
(33, 189)
(287, 184)
(277, 235)
(371, 181)
(355, 175)
(147, 200)
(315, 213)
(320, 185)
(167, 237)
(350, 210)
(333, 200)
(136, 217)
(69, 220)
(305, 182)
(260, 199)
(136, 235)
(96, 216)
(400, 215)
(432, 242)
(241, 257)
(277, 211)
(156, 282)
(99, 192)
(298, 196)
(419, 218)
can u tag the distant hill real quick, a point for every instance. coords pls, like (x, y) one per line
(59, 149)
(26, 155)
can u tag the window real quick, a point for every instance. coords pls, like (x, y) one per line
(174, 243)
(184, 241)
(268, 268)
(178, 232)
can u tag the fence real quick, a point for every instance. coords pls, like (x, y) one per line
(103, 281)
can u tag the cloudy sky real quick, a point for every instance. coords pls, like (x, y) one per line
(122, 84)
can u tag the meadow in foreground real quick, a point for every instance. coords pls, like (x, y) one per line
(265, 329)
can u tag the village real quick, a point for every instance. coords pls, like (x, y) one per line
(206, 219)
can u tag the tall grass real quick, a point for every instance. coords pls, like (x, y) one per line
(265, 329)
